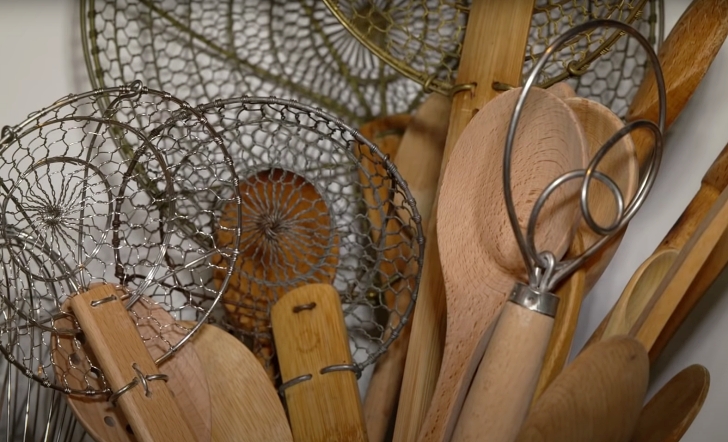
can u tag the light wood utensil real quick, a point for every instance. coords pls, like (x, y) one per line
(245, 406)
(597, 398)
(642, 286)
(671, 411)
(493, 50)
(322, 396)
(418, 159)
(187, 381)
(685, 56)
(123, 357)
(620, 164)
(481, 260)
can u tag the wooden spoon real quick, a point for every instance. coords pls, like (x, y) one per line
(493, 50)
(620, 165)
(597, 398)
(245, 406)
(310, 336)
(671, 411)
(481, 260)
(641, 287)
(418, 160)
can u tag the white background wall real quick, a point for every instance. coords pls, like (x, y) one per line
(41, 60)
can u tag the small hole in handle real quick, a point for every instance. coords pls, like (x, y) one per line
(108, 420)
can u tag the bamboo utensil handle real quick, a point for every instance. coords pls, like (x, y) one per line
(418, 159)
(498, 399)
(493, 50)
(147, 403)
(597, 398)
(311, 341)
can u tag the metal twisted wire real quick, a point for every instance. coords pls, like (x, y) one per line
(422, 39)
(203, 50)
(304, 181)
(121, 194)
(544, 270)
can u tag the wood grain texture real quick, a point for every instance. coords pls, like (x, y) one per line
(310, 335)
(493, 49)
(501, 392)
(245, 406)
(685, 56)
(597, 398)
(562, 90)
(480, 258)
(671, 411)
(418, 160)
(116, 343)
(571, 294)
(705, 251)
(187, 381)
(274, 260)
(652, 269)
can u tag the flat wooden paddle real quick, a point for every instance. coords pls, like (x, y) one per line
(418, 160)
(481, 260)
(311, 337)
(671, 411)
(597, 398)
(494, 47)
(245, 406)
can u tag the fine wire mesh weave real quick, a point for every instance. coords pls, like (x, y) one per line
(305, 177)
(423, 40)
(78, 210)
(204, 50)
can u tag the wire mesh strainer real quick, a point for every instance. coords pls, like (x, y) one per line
(423, 41)
(303, 174)
(204, 50)
(96, 197)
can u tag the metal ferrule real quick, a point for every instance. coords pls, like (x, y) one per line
(545, 303)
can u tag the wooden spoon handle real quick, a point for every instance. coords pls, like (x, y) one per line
(685, 56)
(113, 336)
(493, 50)
(499, 397)
(310, 337)
(597, 398)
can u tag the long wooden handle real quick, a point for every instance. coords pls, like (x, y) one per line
(503, 386)
(418, 159)
(114, 339)
(597, 398)
(685, 56)
(310, 337)
(493, 50)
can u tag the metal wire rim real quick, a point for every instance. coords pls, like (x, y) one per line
(544, 272)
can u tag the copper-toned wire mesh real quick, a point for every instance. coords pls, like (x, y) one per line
(422, 39)
(203, 50)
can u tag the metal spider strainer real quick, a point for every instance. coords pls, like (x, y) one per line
(422, 39)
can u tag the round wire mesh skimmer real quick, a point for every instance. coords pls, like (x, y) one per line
(92, 199)
(320, 204)
(204, 50)
(422, 39)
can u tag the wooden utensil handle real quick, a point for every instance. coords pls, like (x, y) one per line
(503, 386)
(310, 336)
(148, 404)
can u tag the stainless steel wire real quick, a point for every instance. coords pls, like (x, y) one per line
(544, 270)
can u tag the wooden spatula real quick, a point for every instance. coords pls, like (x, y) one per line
(418, 160)
(671, 411)
(597, 398)
(322, 396)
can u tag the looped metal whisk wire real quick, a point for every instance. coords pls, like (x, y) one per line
(544, 270)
